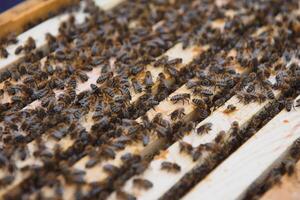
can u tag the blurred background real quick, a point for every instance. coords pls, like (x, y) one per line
(6, 4)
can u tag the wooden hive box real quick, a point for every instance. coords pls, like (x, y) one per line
(182, 107)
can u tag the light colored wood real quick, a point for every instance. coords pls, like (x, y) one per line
(30, 11)
(162, 180)
(252, 160)
(66, 142)
(107, 4)
(288, 188)
(187, 55)
(165, 107)
(38, 34)
(51, 26)
(96, 173)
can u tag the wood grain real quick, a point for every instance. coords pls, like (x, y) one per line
(288, 188)
(38, 33)
(96, 173)
(30, 11)
(162, 180)
(255, 157)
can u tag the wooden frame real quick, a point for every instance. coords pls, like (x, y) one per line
(163, 181)
(38, 33)
(30, 11)
(257, 156)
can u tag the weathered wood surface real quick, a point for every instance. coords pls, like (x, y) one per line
(252, 160)
(288, 188)
(38, 34)
(30, 11)
(162, 180)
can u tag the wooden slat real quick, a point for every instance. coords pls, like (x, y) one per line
(51, 26)
(187, 55)
(288, 188)
(96, 173)
(252, 160)
(38, 33)
(107, 4)
(30, 11)
(162, 180)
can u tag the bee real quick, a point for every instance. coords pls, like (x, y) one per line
(49, 69)
(126, 157)
(191, 84)
(6, 180)
(103, 77)
(3, 52)
(197, 153)
(220, 137)
(185, 147)
(136, 69)
(180, 97)
(145, 139)
(30, 44)
(172, 71)
(118, 145)
(19, 49)
(82, 76)
(204, 129)
(297, 103)
(177, 114)
(72, 82)
(121, 195)
(170, 167)
(162, 61)
(206, 92)
(250, 88)
(162, 131)
(91, 163)
(163, 83)
(109, 92)
(59, 84)
(111, 169)
(289, 166)
(199, 103)
(108, 152)
(270, 94)
(289, 104)
(5, 75)
(234, 127)
(174, 61)
(95, 89)
(50, 38)
(230, 108)
(17, 99)
(136, 85)
(146, 124)
(142, 183)
(148, 80)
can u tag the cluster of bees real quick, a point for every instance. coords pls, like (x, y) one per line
(106, 41)
(286, 166)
